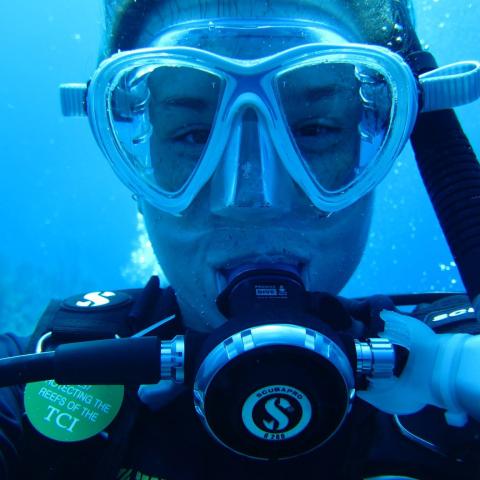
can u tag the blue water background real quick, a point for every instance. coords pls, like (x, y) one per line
(68, 225)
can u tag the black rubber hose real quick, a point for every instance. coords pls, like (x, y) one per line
(26, 368)
(451, 174)
(122, 361)
(125, 361)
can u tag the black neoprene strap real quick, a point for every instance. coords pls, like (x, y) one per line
(98, 458)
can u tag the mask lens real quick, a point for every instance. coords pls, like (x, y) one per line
(338, 115)
(162, 117)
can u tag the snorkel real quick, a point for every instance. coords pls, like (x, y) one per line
(451, 175)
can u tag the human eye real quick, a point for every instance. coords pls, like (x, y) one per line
(193, 136)
(317, 134)
(315, 128)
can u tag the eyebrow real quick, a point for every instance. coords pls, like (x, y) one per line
(192, 103)
(318, 93)
(311, 94)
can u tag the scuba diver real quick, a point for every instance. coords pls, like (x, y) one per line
(252, 135)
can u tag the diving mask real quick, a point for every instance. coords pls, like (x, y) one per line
(304, 106)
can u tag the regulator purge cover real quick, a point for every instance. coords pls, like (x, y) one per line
(275, 402)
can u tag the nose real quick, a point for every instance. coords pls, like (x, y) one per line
(251, 180)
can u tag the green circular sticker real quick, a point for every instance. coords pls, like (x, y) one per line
(70, 413)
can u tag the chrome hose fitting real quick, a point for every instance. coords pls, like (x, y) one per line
(375, 357)
(172, 359)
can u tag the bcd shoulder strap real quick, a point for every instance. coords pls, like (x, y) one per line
(94, 315)
(452, 314)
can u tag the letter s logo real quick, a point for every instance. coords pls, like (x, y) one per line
(95, 299)
(278, 415)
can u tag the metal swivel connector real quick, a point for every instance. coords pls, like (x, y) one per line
(375, 357)
(172, 359)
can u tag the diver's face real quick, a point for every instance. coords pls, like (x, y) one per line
(197, 249)
(320, 102)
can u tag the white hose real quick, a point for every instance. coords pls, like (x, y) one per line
(442, 370)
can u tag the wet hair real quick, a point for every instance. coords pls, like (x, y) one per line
(388, 23)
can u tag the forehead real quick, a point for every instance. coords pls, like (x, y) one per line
(247, 38)
(158, 31)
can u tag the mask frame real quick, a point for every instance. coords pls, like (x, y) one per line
(265, 103)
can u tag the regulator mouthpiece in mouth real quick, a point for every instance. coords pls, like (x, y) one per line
(273, 382)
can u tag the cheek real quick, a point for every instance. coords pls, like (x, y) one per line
(164, 233)
(336, 259)
(354, 228)
(185, 246)
(179, 250)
